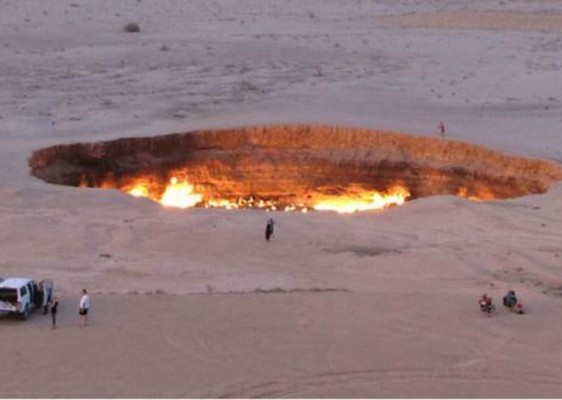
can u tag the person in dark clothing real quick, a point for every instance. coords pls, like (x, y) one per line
(510, 300)
(54, 309)
(269, 229)
(442, 128)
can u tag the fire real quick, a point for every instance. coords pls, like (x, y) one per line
(139, 191)
(482, 194)
(221, 204)
(364, 201)
(180, 194)
(141, 187)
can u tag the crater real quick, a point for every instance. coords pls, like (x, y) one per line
(293, 167)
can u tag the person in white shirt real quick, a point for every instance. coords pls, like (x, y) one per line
(84, 308)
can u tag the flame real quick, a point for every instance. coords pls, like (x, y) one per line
(142, 187)
(397, 195)
(138, 191)
(482, 194)
(180, 194)
(177, 193)
(221, 204)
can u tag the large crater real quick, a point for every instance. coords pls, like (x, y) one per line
(293, 167)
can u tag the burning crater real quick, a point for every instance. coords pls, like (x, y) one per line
(294, 167)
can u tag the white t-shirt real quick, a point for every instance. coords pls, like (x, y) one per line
(85, 301)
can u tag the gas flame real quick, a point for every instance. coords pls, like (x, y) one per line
(221, 204)
(139, 191)
(482, 194)
(397, 195)
(180, 194)
(145, 186)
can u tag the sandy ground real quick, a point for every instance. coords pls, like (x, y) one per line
(195, 303)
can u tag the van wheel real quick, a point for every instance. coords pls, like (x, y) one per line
(25, 314)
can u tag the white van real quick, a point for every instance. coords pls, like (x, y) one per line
(22, 295)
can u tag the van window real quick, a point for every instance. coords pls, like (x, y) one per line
(23, 291)
(9, 295)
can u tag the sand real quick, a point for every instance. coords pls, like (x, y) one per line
(195, 303)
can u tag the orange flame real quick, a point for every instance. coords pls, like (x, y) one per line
(397, 195)
(482, 194)
(176, 194)
(179, 192)
(139, 191)
(142, 187)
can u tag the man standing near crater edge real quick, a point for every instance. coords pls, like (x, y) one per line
(269, 229)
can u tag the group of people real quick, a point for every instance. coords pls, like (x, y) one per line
(84, 307)
(85, 302)
(509, 301)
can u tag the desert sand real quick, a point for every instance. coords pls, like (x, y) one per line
(195, 303)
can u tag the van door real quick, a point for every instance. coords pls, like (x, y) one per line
(31, 293)
(24, 297)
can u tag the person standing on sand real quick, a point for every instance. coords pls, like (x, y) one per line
(54, 306)
(269, 229)
(84, 308)
(442, 128)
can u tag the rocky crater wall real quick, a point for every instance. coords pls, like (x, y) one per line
(291, 163)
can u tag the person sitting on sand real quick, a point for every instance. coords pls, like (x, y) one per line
(485, 299)
(510, 300)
